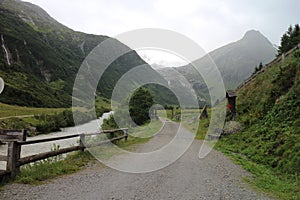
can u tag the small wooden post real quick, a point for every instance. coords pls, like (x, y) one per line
(112, 135)
(24, 135)
(13, 155)
(204, 114)
(125, 134)
(82, 141)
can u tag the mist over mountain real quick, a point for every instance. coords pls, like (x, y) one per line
(235, 61)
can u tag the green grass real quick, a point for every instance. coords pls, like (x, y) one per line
(278, 185)
(137, 136)
(46, 119)
(192, 123)
(41, 171)
(12, 110)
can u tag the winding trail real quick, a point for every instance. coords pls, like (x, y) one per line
(214, 177)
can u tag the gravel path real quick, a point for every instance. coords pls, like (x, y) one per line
(214, 177)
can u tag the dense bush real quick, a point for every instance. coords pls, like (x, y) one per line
(49, 123)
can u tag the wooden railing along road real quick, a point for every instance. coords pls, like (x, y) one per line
(276, 60)
(17, 138)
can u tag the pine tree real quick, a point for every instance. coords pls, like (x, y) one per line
(289, 39)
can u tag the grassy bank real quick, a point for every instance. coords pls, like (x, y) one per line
(41, 171)
(277, 185)
(269, 145)
(12, 110)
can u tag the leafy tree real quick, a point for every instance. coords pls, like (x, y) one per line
(139, 106)
(289, 39)
(109, 123)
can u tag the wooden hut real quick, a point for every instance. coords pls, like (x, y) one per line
(231, 97)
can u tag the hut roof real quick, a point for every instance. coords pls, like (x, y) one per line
(231, 93)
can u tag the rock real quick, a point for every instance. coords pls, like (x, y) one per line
(232, 127)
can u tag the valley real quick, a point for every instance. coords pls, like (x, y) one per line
(51, 88)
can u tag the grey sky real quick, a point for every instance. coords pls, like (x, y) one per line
(211, 23)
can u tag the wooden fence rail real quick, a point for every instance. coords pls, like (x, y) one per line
(41, 156)
(16, 140)
(273, 62)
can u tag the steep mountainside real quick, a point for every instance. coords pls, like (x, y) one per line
(236, 62)
(40, 57)
(269, 108)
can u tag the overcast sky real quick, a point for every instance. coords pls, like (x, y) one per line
(211, 23)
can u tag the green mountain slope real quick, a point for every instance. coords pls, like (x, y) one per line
(39, 58)
(42, 56)
(269, 106)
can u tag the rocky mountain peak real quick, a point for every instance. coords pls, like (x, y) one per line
(255, 36)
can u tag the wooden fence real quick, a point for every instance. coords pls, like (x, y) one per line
(273, 62)
(17, 138)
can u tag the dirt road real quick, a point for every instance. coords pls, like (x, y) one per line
(214, 177)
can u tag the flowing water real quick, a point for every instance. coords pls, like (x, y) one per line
(27, 150)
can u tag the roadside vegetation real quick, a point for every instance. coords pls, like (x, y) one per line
(41, 171)
(269, 144)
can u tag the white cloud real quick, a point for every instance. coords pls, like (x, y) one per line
(175, 9)
(210, 23)
(154, 56)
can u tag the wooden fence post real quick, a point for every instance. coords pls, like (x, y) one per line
(112, 135)
(82, 142)
(125, 134)
(13, 155)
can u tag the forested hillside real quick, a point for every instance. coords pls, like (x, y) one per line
(40, 57)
